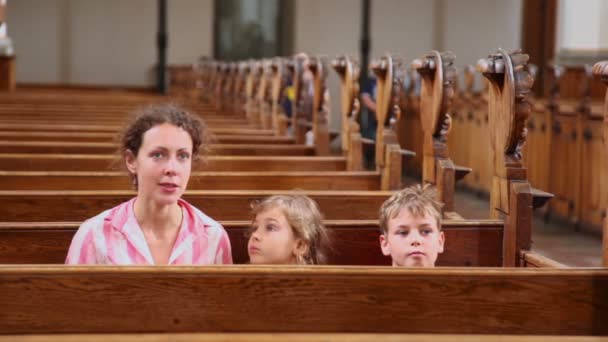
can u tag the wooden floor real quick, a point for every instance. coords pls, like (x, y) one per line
(556, 240)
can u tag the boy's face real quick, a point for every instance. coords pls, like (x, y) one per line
(412, 241)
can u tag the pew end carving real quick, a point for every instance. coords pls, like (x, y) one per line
(512, 197)
(600, 70)
(352, 146)
(437, 91)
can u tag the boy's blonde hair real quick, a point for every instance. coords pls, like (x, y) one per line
(417, 200)
(306, 222)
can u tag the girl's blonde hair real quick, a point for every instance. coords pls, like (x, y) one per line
(306, 222)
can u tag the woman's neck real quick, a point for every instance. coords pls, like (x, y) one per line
(157, 219)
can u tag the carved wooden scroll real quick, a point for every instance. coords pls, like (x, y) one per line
(301, 81)
(263, 95)
(600, 70)
(277, 93)
(252, 91)
(241, 87)
(219, 81)
(511, 197)
(388, 151)
(510, 83)
(436, 95)
(320, 106)
(349, 71)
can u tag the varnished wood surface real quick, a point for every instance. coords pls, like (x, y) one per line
(108, 137)
(302, 337)
(469, 243)
(108, 162)
(219, 204)
(63, 147)
(42, 300)
(255, 180)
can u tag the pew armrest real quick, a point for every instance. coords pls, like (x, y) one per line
(367, 141)
(532, 259)
(460, 172)
(407, 153)
(452, 215)
(539, 198)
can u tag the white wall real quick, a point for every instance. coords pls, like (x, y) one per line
(34, 26)
(103, 42)
(403, 28)
(190, 30)
(475, 28)
(329, 28)
(581, 25)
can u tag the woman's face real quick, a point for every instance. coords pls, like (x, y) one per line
(163, 164)
(272, 240)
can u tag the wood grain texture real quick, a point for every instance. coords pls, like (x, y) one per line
(107, 162)
(42, 300)
(302, 337)
(469, 243)
(320, 180)
(77, 206)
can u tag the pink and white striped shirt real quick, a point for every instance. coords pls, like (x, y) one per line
(115, 237)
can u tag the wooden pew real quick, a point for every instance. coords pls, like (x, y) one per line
(297, 337)
(107, 137)
(260, 180)
(45, 299)
(354, 242)
(600, 70)
(65, 147)
(225, 205)
(107, 162)
(438, 73)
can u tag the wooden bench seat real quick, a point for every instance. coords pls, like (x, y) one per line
(225, 205)
(105, 162)
(107, 137)
(296, 337)
(254, 180)
(63, 147)
(62, 299)
(469, 243)
(70, 127)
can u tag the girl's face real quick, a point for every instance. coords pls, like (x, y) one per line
(272, 239)
(163, 164)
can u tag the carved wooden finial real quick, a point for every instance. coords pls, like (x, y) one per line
(383, 69)
(600, 70)
(438, 73)
(348, 71)
(320, 110)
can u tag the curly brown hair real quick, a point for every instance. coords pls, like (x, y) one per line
(131, 138)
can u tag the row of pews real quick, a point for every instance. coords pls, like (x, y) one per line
(58, 169)
(565, 150)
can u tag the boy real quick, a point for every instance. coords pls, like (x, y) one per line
(410, 224)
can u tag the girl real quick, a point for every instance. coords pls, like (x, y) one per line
(287, 230)
(157, 226)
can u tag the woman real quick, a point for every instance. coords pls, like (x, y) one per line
(157, 226)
